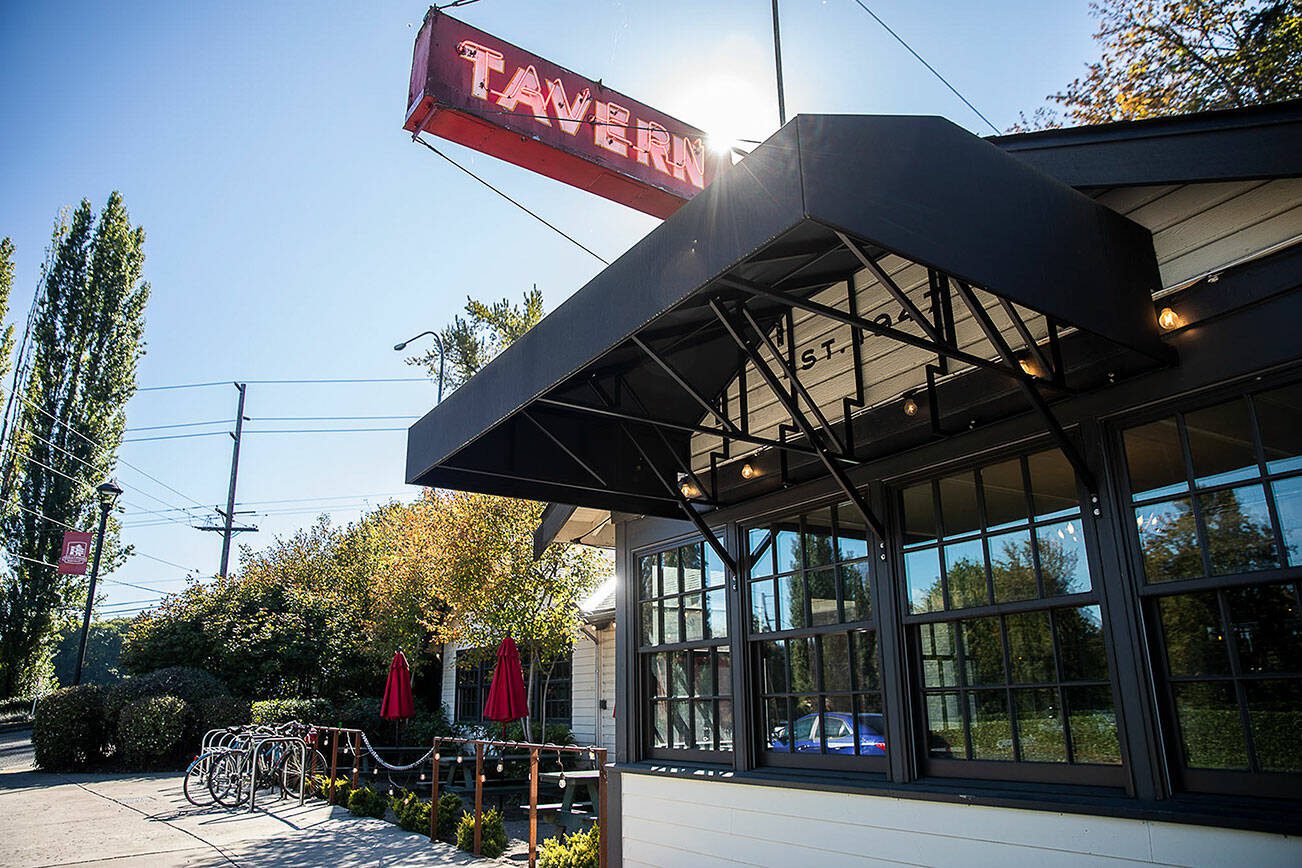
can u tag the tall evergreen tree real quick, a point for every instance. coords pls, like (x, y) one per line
(87, 338)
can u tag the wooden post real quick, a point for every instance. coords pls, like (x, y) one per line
(334, 762)
(434, 793)
(533, 806)
(479, 793)
(357, 755)
(601, 808)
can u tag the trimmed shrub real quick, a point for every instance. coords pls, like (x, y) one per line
(450, 809)
(272, 711)
(366, 802)
(492, 835)
(68, 731)
(579, 850)
(191, 686)
(218, 712)
(425, 725)
(319, 785)
(17, 709)
(150, 732)
(412, 813)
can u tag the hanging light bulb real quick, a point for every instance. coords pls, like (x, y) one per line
(460, 759)
(422, 776)
(499, 767)
(687, 486)
(910, 405)
(354, 769)
(437, 757)
(748, 471)
(1169, 319)
(391, 792)
(375, 770)
(562, 781)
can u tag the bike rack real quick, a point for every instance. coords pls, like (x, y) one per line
(256, 744)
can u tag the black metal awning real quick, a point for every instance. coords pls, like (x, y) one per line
(900, 232)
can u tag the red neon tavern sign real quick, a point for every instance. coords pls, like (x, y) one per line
(476, 90)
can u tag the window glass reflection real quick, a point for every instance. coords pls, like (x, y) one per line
(1288, 505)
(760, 540)
(1279, 419)
(1030, 648)
(1053, 484)
(822, 596)
(1063, 561)
(788, 549)
(991, 728)
(919, 514)
(945, 726)
(763, 607)
(983, 651)
(1275, 714)
(1004, 492)
(1012, 567)
(1220, 443)
(1266, 623)
(854, 592)
(965, 572)
(958, 504)
(852, 533)
(939, 655)
(1168, 541)
(1240, 538)
(818, 538)
(1194, 637)
(1092, 719)
(1041, 736)
(716, 613)
(1155, 459)
(1080, 643)
(922, 574)
(1210, 730)
(693, 567)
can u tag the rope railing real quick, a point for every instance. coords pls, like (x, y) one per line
(366, 742)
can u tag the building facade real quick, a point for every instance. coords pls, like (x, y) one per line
(957, 495)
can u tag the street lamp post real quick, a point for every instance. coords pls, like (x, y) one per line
(108, 493)
(438, 341)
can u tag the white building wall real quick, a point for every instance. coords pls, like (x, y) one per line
(450, 680)
(702, 824)
(583, 688)
(606, 716)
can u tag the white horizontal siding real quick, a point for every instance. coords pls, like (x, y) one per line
(450, 679)
(672, 821)
(607, 714)
(583, 690)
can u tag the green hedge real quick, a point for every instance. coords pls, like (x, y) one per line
(194, 687)
(412, 812)
(579, 850)
(492, 834)
(68, 731)
(272, 711)
(151, 732)
(450, 810)
(219, 712)
(366, 802)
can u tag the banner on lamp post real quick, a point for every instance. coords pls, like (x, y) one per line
(76, 553)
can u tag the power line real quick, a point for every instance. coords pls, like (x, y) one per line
(173, 437)
(288, 382)
(180, 425)
(931, 68)
(542, 220)
(138, 553)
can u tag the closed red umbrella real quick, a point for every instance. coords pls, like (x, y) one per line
(506, 699)
(397, 704)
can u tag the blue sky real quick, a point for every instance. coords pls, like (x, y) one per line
(295, 231)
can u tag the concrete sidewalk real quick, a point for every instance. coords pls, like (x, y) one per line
(144, 820)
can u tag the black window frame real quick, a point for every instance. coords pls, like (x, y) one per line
(644, 654)
(752, 641)
(1184, 779)
(1112, 775)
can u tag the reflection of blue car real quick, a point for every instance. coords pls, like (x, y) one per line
(839, 727)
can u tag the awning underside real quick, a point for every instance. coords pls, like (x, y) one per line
(918, 263)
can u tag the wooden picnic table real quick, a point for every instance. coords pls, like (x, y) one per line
(569, 817)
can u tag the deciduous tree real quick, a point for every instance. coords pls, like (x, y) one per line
(1168, 57)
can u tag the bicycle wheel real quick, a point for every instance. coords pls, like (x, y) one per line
(195, 785)
(293, 772)
(229, 779)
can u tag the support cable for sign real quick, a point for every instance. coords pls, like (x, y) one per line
(570, 238)
(930, 68)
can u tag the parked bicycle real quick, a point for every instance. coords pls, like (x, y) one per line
(237, 763)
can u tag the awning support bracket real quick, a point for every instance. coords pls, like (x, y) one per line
(683, 384)
(683, 503)
(793, 410)
(567, 450)
(1032, 392)
(683, 466)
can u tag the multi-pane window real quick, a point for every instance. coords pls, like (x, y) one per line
(1003, 621)
(813, 638)
(683, 651)
(1217, 499)
(552, 686)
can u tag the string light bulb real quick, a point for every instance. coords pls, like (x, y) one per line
(748, 471)
(1169, 319)
(910, 405)
(499, 767)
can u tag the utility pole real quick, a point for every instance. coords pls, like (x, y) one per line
(777, 57)
(228, 528)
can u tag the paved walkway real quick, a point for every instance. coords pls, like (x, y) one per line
(125, 821)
